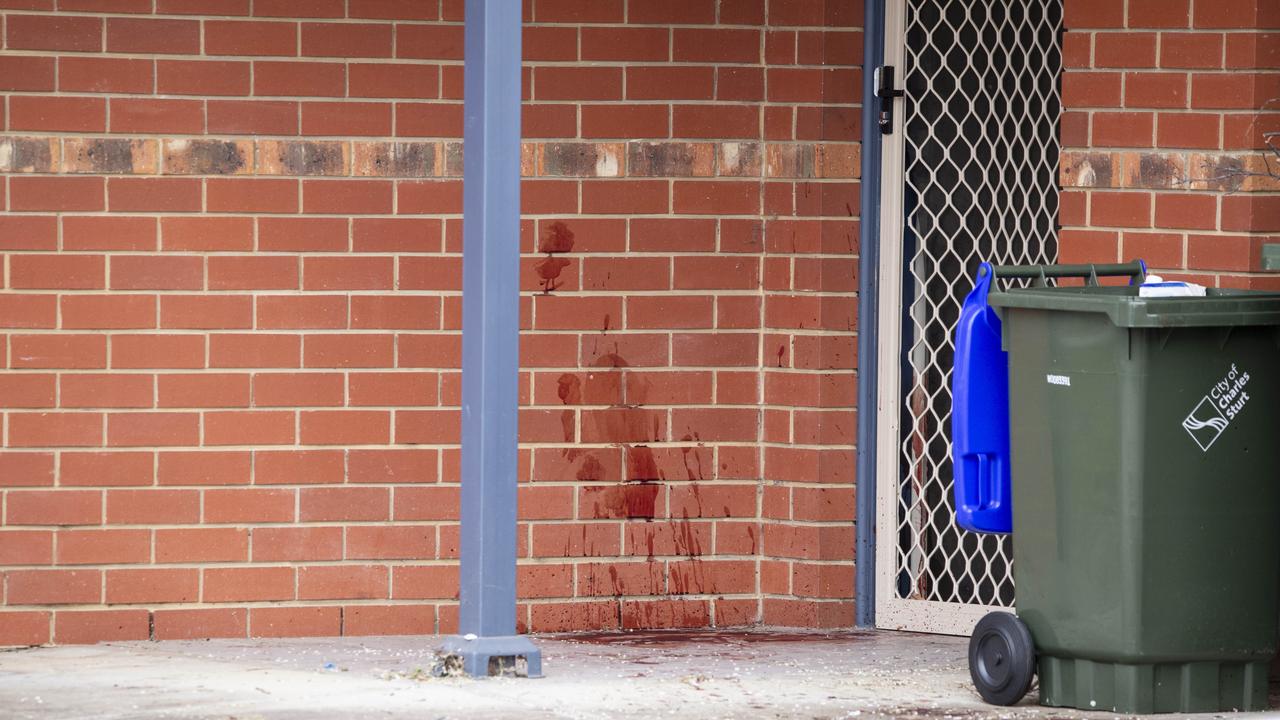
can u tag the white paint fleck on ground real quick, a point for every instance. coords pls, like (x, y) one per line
(688, 675)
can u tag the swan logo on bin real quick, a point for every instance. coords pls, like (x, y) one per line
(1205, 424)
(1217, 409)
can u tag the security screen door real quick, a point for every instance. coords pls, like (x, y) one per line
(969, 175)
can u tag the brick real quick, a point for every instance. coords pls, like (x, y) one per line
(105, 468)
(188, 545)
(249, 428)
(67, 33)
(138, 35)
(426, 426)
(99, 547)
(1159, 13)
(1115, 129)
(1091, 89)
(104, 75)
(157, 351)
(302, 234)
(157, 116)
(1191, 50)
(255, 351)
(200, 624)
(344, 582)
(106, 390)
(295, 544)
(716, 197)
(346, 118)
(156, 585)
(249, 505)
(253, 273)
(1231, 14)
(344, 504)
(54, 429)
(180, 77)
(93, 626)
(364, 197)
(392, 9)
(248, 584)
(346, 40)
(639, 44)
(156, 272)
(359, 620)
(428, 120)
(577, 83)
(154, 195)
(350, 273)
(204, 468)
(153, 429)
(425, 582)
(57, 114)
(206, 234)
(27, 73)
(1124, 50)
(203, 390)
(28, 232)
(394, 80)
(1080, 14)
(206, 312)
(252, 117)
(715, 121)
(390, 543)
(27, 390)
(1188, 130)
(57, 194)
(59, 351)
(625, 197)
(234, 37)
(117, 232)
(255, 196)
(1155, 90)
(312, 79)
(670, 83)
(1188, 211)
(426, 503)
(108, 312)
(203, 7)
(62, 272)
(429, 42)
(295, 621)
(345, 427)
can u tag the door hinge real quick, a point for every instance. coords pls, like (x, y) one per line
(886, 92)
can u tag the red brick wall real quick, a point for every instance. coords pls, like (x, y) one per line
(230, 305)
(1167, 102)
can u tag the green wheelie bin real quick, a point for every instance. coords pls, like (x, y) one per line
(1132, 446)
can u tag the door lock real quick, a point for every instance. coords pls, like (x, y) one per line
(886, 92)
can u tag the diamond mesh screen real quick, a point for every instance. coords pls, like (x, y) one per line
(981, 165)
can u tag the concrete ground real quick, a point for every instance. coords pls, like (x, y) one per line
(732, 674)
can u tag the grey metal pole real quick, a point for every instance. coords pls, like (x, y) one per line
(868, 312)
(490, 343)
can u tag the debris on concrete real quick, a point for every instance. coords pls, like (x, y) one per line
(681, 674)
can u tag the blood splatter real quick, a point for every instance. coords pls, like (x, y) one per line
(569, 388)
(641, 466)
(556, 238)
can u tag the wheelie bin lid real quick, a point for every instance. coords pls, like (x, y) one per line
(1220, 307)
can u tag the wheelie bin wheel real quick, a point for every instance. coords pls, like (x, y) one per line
(1002, 658)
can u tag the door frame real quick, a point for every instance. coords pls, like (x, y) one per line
(892, 612)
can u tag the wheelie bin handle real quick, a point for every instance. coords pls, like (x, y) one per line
(1136, 270)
